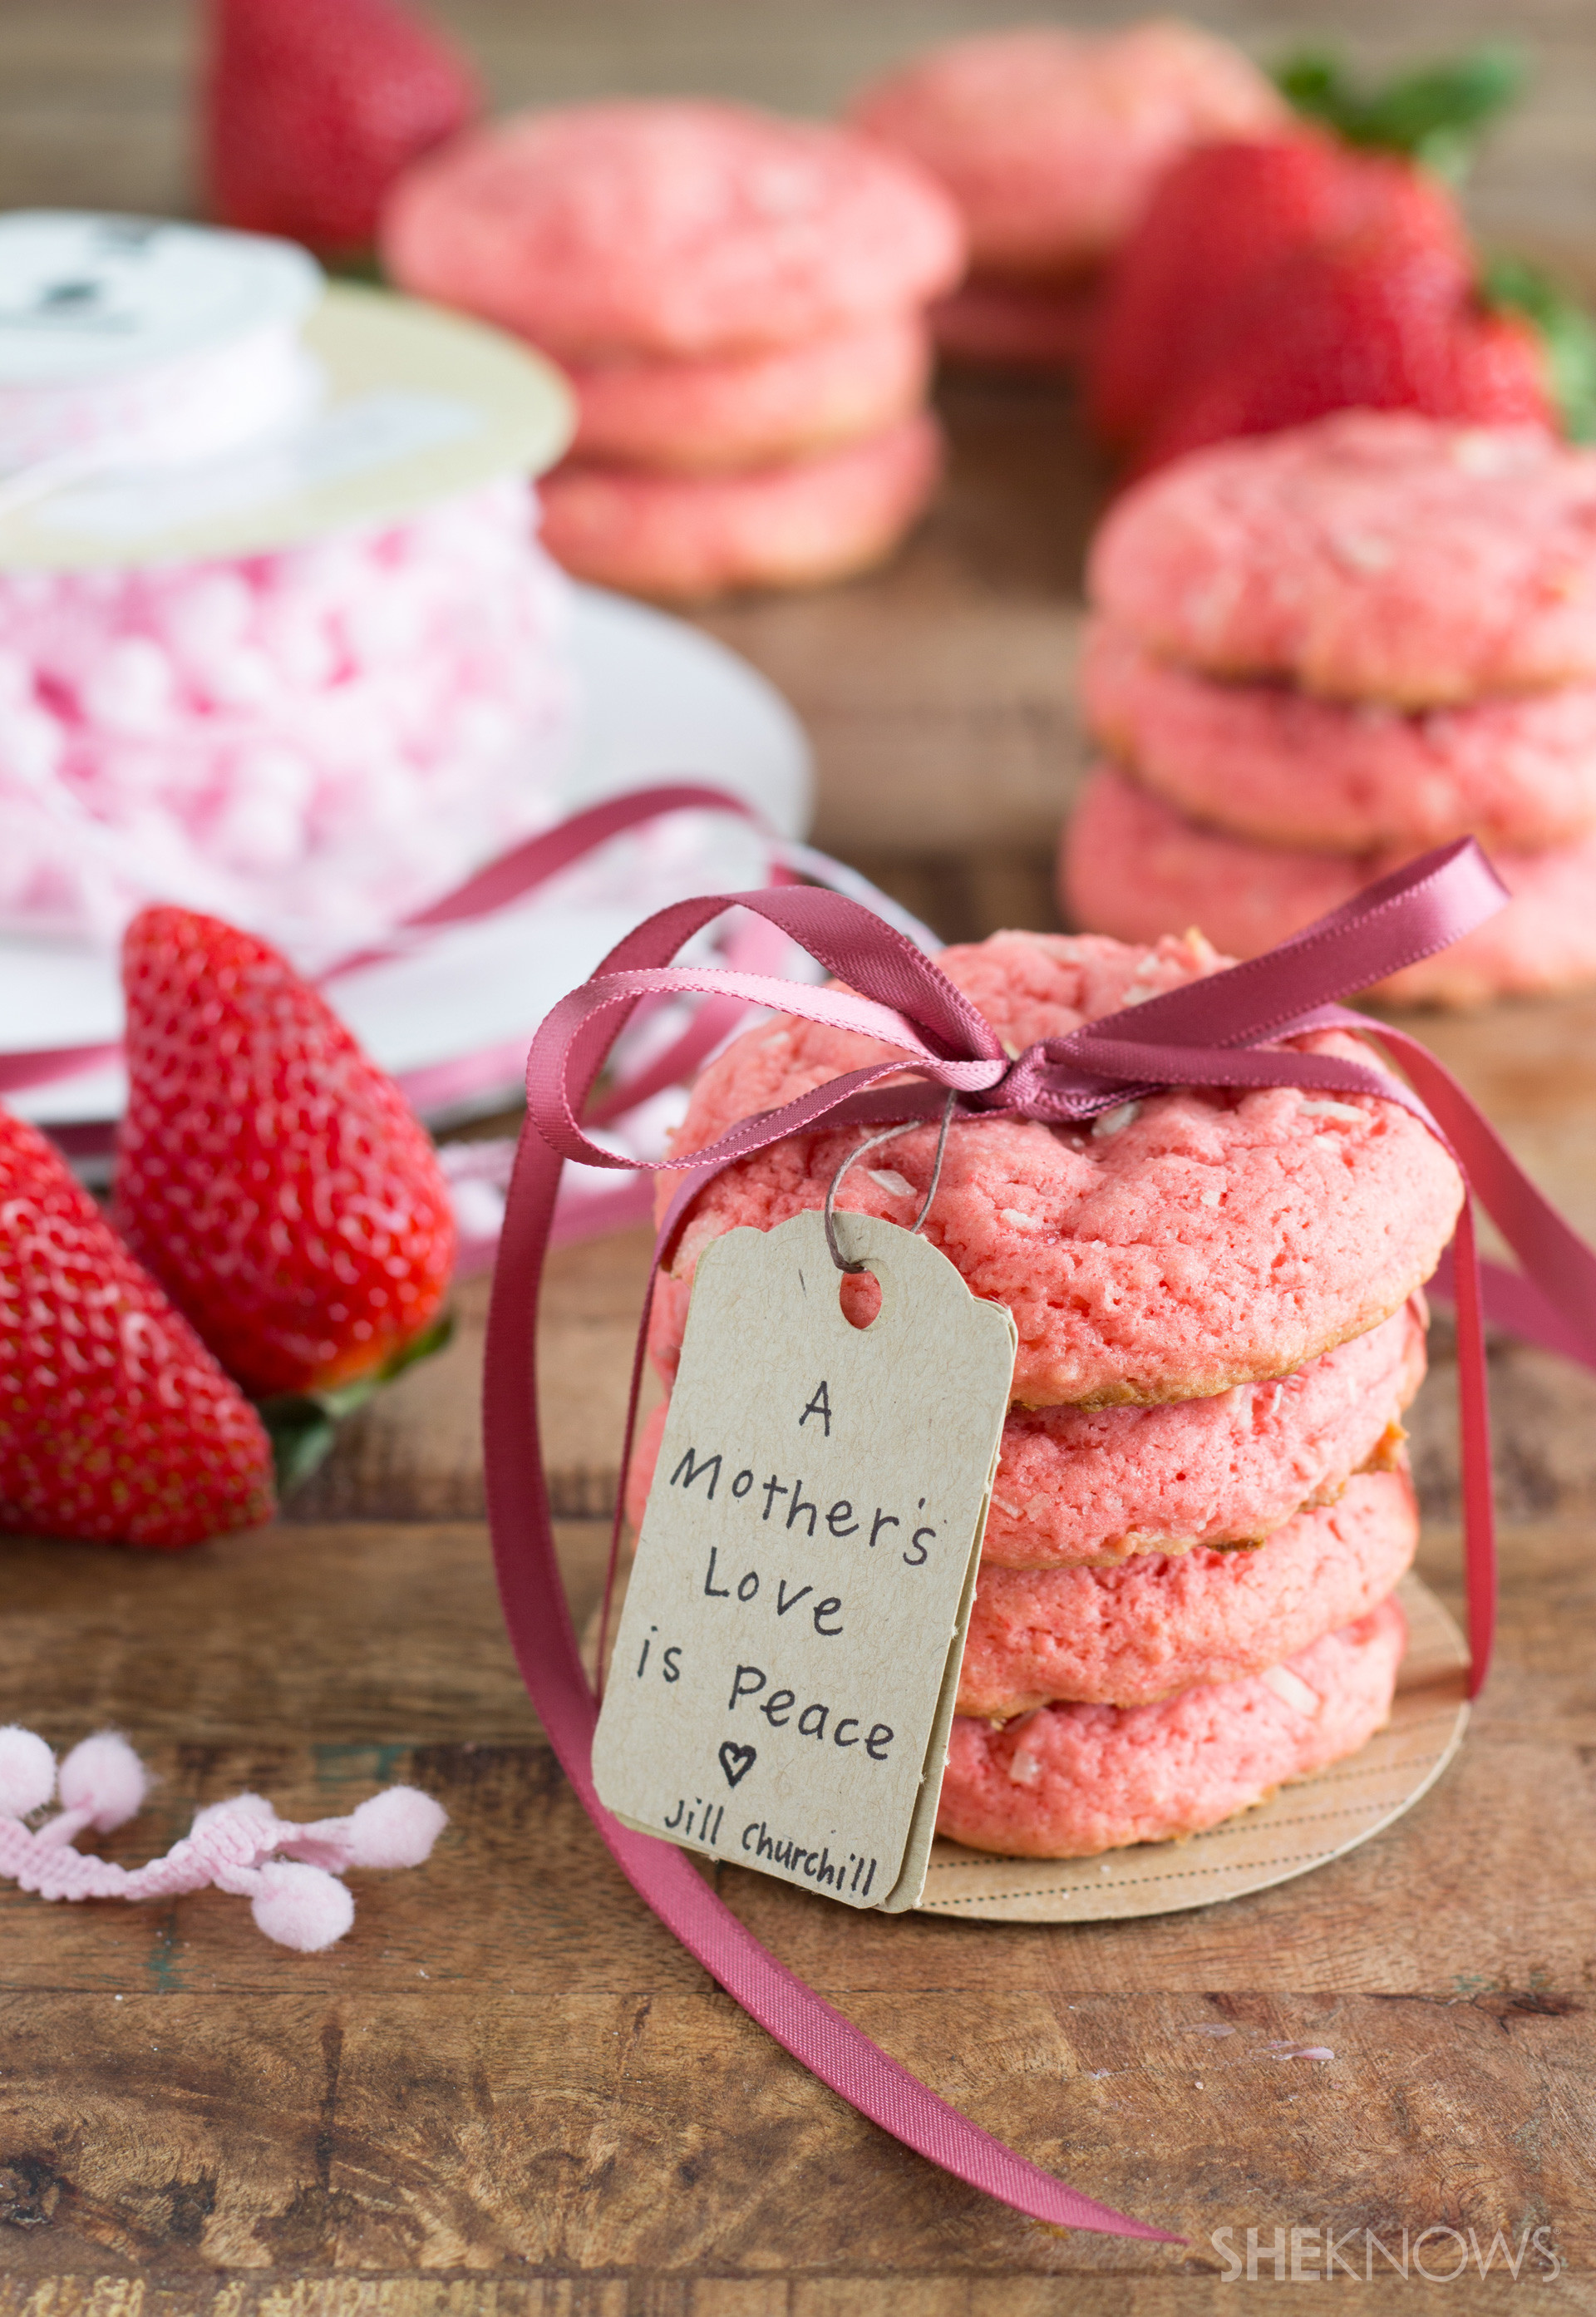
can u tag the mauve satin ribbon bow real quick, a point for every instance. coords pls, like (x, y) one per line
(1209, 1033)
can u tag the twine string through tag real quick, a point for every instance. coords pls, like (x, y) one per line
(887, 1135)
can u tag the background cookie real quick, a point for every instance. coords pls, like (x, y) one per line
(672, 227)
(687, 537)
(753, 410)
(1129, 863)
(1068, 1781)
(1169, 1251)
(1268, 762)
(1050, 142)
(1371, 556)
(1132, 1635)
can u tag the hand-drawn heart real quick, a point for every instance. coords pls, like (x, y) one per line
(737, 1761)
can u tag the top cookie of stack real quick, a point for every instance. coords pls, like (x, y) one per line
(1201, 1509)
(739, 299)
(1320, 652)
(1051, 143)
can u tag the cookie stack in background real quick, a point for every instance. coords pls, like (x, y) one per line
(739, 300)
(1051, 143)
(1318, 653)
(1202, 1508)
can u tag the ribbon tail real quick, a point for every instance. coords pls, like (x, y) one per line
(1473, 1410)
(1517, 1306)
(1557, 1263)
(1560, 1272)
(540, 1623)
(750, 945)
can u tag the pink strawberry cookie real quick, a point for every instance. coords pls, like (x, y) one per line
(1269, 762)
(1169, 1251)
(1089, 1488)
(678, 229)
(1133, 1635)
(1078, 1488)
(753, 410)
(1373, 555)
(1130, 865)
(686, 538)
(1069, 1781)
(1050, 142)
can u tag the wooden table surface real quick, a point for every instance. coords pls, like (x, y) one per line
(508, 2090)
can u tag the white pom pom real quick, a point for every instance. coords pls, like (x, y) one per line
(106, 1776)
(246, 1805)
(27, 1772)
(300, 1906)
(397, 1827)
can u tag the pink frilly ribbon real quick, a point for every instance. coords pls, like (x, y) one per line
(1220, 1032)
(290, 1871)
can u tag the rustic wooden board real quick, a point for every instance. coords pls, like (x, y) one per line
(508, 2062)
(509, 2093)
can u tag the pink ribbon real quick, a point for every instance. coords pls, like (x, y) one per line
(1216, 1032)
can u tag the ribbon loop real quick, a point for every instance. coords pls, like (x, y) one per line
(1411, 914)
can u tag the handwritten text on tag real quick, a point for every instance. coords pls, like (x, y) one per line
(784, 1675)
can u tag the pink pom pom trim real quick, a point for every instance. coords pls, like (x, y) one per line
(288, 1871)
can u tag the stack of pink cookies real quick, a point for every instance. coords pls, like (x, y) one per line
(1051, 143)
(1317, 654)
(740, 302)
(1201, 1509)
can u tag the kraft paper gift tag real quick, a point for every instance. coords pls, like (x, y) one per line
(785, 1672)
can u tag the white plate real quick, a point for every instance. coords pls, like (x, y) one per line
(660, 702)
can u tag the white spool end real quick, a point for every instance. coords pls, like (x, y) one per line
(150, 339)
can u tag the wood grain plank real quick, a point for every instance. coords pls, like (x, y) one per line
(363, 1634)
(460, 2130)
(951, 2294)
(415, 1452)
(386, 1646)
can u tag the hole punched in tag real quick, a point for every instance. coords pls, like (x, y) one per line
(861, 1306)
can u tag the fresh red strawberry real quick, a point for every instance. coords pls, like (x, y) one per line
(1533, 318)
(1223, 217)
(269, 1173)
(115, 1421)
(1375, 322)
(313, 107)
(1236, 236)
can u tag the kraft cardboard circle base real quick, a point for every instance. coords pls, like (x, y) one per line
(1299, 1828)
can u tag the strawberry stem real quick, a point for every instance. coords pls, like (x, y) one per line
(1567, 334)
(301, 1433)
(302, 1426)
(1433, 115)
